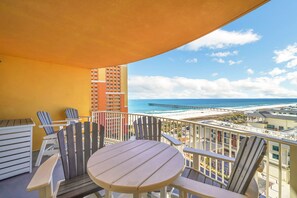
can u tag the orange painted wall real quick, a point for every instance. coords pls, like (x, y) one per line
(27, 86)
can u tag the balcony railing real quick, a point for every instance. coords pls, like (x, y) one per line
(279, 162)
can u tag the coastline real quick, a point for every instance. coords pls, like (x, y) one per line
(266, 107)
(208, 112)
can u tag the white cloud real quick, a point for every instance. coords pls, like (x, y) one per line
(276, 71)
(214, 74)
(224, 54)
(292, 77)
(192, 60)
(292, 63)
(221, 39)
(231, 62)
(250, 71)
(287, 55)
(219, 60)
(180, 87)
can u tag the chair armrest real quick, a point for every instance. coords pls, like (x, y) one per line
(59, 121)
(43, 176)
(171, 139)
(209, 154)
(53, 125)
(72, 119)
(88, 117)
(85, 116)
(203, 190)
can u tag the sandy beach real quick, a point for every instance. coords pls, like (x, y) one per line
(265, 107)
(192, 114)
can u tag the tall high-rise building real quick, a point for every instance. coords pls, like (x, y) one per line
(109, 90)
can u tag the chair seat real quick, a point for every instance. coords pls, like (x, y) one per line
(200, 177)
(79, 186)
(197, 176)
(51, 136)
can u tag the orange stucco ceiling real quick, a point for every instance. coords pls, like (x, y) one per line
(98, 33)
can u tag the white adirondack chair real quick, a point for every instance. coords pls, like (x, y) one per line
(73, 117)
(50, 143)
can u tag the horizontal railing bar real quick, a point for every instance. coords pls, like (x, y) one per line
(273, 139)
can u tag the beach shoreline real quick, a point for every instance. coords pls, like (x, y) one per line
(212, 112)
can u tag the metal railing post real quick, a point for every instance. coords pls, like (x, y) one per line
(293, 170)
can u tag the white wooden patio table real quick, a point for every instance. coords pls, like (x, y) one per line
(135, 167)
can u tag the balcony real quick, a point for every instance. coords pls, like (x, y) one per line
(275, 180)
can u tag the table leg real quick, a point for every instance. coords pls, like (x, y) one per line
(136, 195)
(163, 192)
(182, 194)
(108, 194)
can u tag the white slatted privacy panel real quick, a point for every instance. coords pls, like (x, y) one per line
(15, 147)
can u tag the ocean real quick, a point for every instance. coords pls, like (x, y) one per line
(142, 105)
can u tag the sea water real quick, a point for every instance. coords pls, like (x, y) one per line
(142, 105)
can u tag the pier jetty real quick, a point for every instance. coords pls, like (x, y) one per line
(175, 106)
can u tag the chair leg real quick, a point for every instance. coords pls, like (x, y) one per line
(41, 152)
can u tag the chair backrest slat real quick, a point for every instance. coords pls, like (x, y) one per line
(144, 123)
(257, 150)
(94, 137)
(140, 128)
(155, 129)
(45, 119)
(63, 154)
(147, 127)
(159, 130)
(249, 156)
(150, 127)
(102, 136)
(76, 155)
(136, 130)
(87, 143)
(235, 173)
(72, 113)
(79, 149)
(71, 152)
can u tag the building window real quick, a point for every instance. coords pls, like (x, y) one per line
(269, 126)
(275, 156)
(275, 148)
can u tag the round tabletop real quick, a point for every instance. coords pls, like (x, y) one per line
(135, 166)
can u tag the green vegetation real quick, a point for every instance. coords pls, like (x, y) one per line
(236, 118)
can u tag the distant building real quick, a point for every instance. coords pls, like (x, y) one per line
(273, 119)
(109, 90)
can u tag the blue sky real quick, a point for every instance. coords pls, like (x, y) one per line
(252, 57)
